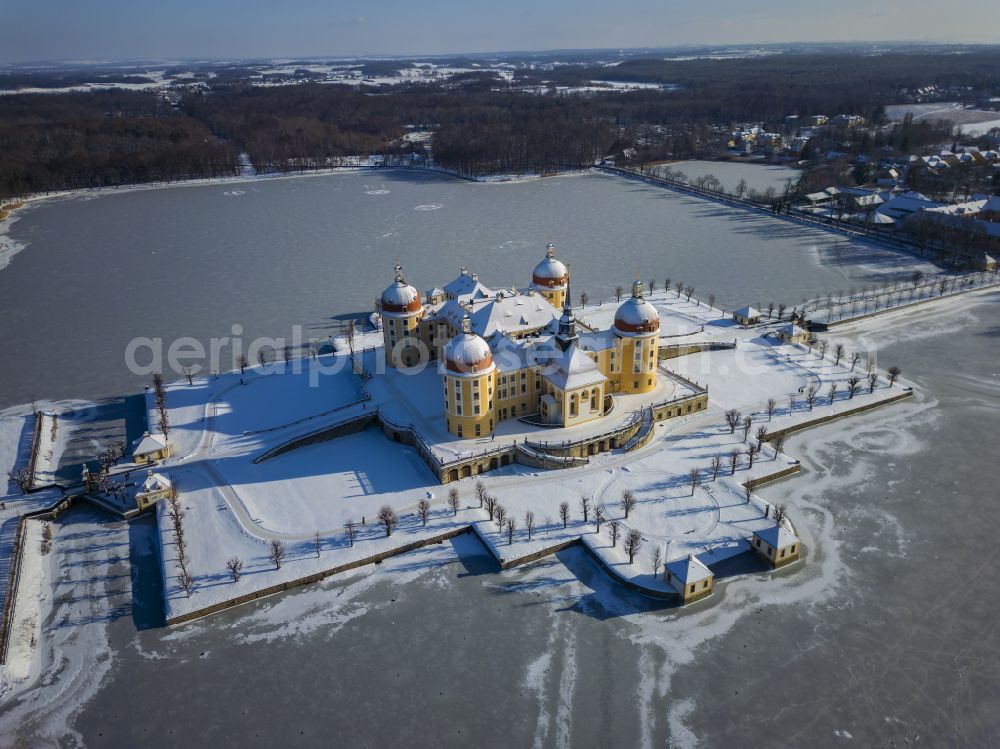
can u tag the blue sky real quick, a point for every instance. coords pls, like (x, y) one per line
(78, 29)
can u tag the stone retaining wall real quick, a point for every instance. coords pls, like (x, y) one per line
(315, 577)
(341, 429)
(833, 417)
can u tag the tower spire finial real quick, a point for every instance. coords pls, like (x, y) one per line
(399, 271)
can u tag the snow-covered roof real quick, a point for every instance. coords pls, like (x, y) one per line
(792, 330)
(905, 203)
(467, 353)
(156, 482)
(147, 444)
(549, 271)
(747, 312)
(466, 287)
(688, 570)
(573, 369)
(777, 536)
(503, 312)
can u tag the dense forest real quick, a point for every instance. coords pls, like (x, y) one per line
(68, 141)
(481, 122)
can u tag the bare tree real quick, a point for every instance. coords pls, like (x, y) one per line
(748, 488)
(733, 418)
(618, 293)
(628, 502)
(186, 581)
(680, 287)
(652, 285)
(822, 346)
(160, 400)
(747, 426)
(481, 494)
(666, 284)
(529, 522)
(781, 311)
(21, 477)
(770, 309)
(614, 528)
(688, 291)
(838, 353)
(734, 459)
(243, 363)
(894, 373)
(853, 383)
(716, 466)
(564, 513)
(751, 454)
(633, 541)
(585, 508)
(598, 517)
(761, 438)
(778, 513)
(277, 553)
(491, 505)
(188, 375)
(511, 527)
(811, 392)
(235, 567)
(694, 478)
(584, 298)
(387, 517)
(351, 531)
(855, 358)
(872, 381)
(832, 391)
(657, 560)
(349, 334)
(500, 513)
(779, 445)
(423, 511)
(453, 501)
(772, 406)
(711, 300)
(317, 543)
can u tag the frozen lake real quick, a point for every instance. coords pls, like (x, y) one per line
(885, 633)
(100, 271)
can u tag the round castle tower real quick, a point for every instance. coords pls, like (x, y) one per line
(469, 382)
(550, 278)
(637, 337)
(401, 310)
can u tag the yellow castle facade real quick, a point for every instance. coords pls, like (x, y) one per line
(510, 353)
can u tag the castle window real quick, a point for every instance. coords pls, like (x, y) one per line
(459, 430)
(477, 430)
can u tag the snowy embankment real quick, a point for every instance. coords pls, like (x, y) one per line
(234, 508)
(31, 604)
(52, 435)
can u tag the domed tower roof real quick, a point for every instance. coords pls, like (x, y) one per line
(467, 353)
(550, 272)
(636, 316)
(399, 298)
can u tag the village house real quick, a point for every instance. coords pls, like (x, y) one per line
(690, 578)
(746, 316)
(150, 448)
(156, 487)
(777, 545)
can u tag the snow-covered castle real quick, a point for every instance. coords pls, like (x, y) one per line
(510, 353)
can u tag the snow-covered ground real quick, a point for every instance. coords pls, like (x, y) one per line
(235, 508)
